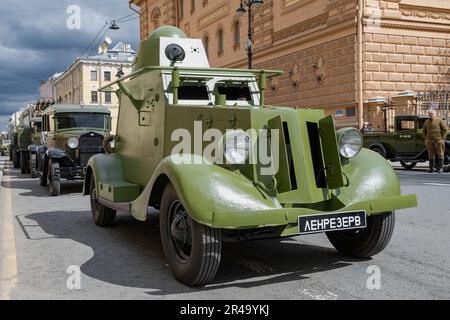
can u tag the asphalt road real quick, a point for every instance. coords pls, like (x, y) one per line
(45, 240)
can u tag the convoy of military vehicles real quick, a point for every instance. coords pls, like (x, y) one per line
(201, 145)
(54, 141)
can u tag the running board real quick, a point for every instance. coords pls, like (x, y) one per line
(118, 206)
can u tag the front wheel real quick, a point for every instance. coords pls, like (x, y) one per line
(408, 165)
(53, 178)
(102, 215)
(192, 250)
(364, 243)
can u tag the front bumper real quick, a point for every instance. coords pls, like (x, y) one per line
(288, 216)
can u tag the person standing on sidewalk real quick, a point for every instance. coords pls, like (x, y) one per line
(435, 131)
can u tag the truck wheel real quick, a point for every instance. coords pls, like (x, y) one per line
(364, 243)
(408, 165)
(32, 169)
(379, 151)
(53, 178)
(192, 250)
(15, 159)
(43, 177)
(23, 163)
(102, 215)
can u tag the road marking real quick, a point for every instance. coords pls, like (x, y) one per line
(438, 184)
(8, 271)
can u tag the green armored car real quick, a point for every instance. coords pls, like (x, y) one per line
(201, 145)
(71, 134)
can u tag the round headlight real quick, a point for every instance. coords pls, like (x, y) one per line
(72, 142)
(350, 142)
(236, 147)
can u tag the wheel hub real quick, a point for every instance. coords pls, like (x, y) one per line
(180, 230)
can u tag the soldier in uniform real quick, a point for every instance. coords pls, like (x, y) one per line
(435, 132)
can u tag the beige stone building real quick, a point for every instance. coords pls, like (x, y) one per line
(336, 54)
(80, 82)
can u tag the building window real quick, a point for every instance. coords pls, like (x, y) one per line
(192, 6)
(107, 76)
(350, 112)
(94, 96)
(94, 75)
(237, 34)
(221, 44)
(107, 97)
(206, 44)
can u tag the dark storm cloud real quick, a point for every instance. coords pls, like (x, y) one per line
(35, 42)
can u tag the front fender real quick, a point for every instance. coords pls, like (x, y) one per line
(205, 189)
(103, 167)
(33, 148)
(55, 154)
(369, 176)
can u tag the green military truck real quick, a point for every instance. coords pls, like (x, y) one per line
(13, 128)
(201, 145)
(71, 134)
(405, 144)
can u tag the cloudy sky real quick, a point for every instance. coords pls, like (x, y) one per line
(35, 42)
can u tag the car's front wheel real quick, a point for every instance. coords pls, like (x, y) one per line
(102, 215)
(408, 165)
(53, 178)
(367, 242)
(192, 250)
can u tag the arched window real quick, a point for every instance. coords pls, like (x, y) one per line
(237, 34)
(206, 44)
(221, 41)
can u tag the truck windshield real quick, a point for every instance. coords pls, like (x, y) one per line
(81, 120)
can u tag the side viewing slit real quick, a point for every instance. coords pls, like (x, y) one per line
(290, 158)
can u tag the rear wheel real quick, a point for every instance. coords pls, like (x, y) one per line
(102, 215)
(192, 250)
(408, 165)
(53, 178)
(364, 243)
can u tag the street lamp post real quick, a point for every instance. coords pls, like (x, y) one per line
(240, 12)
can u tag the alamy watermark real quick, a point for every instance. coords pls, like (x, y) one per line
(235, 146)
(73, 21)
(374, 279)
(73, 282)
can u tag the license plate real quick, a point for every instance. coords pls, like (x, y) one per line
(332, 222)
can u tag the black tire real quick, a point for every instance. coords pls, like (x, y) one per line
(102, 215)
(15, 159)
(53, 179)
(23, 163)
(195, 259)
(43, 177)
(379, 151)
(32, 168)
(364, 243)
(408, 165)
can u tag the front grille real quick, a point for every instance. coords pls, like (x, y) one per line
(290, 158)
(89, 145)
